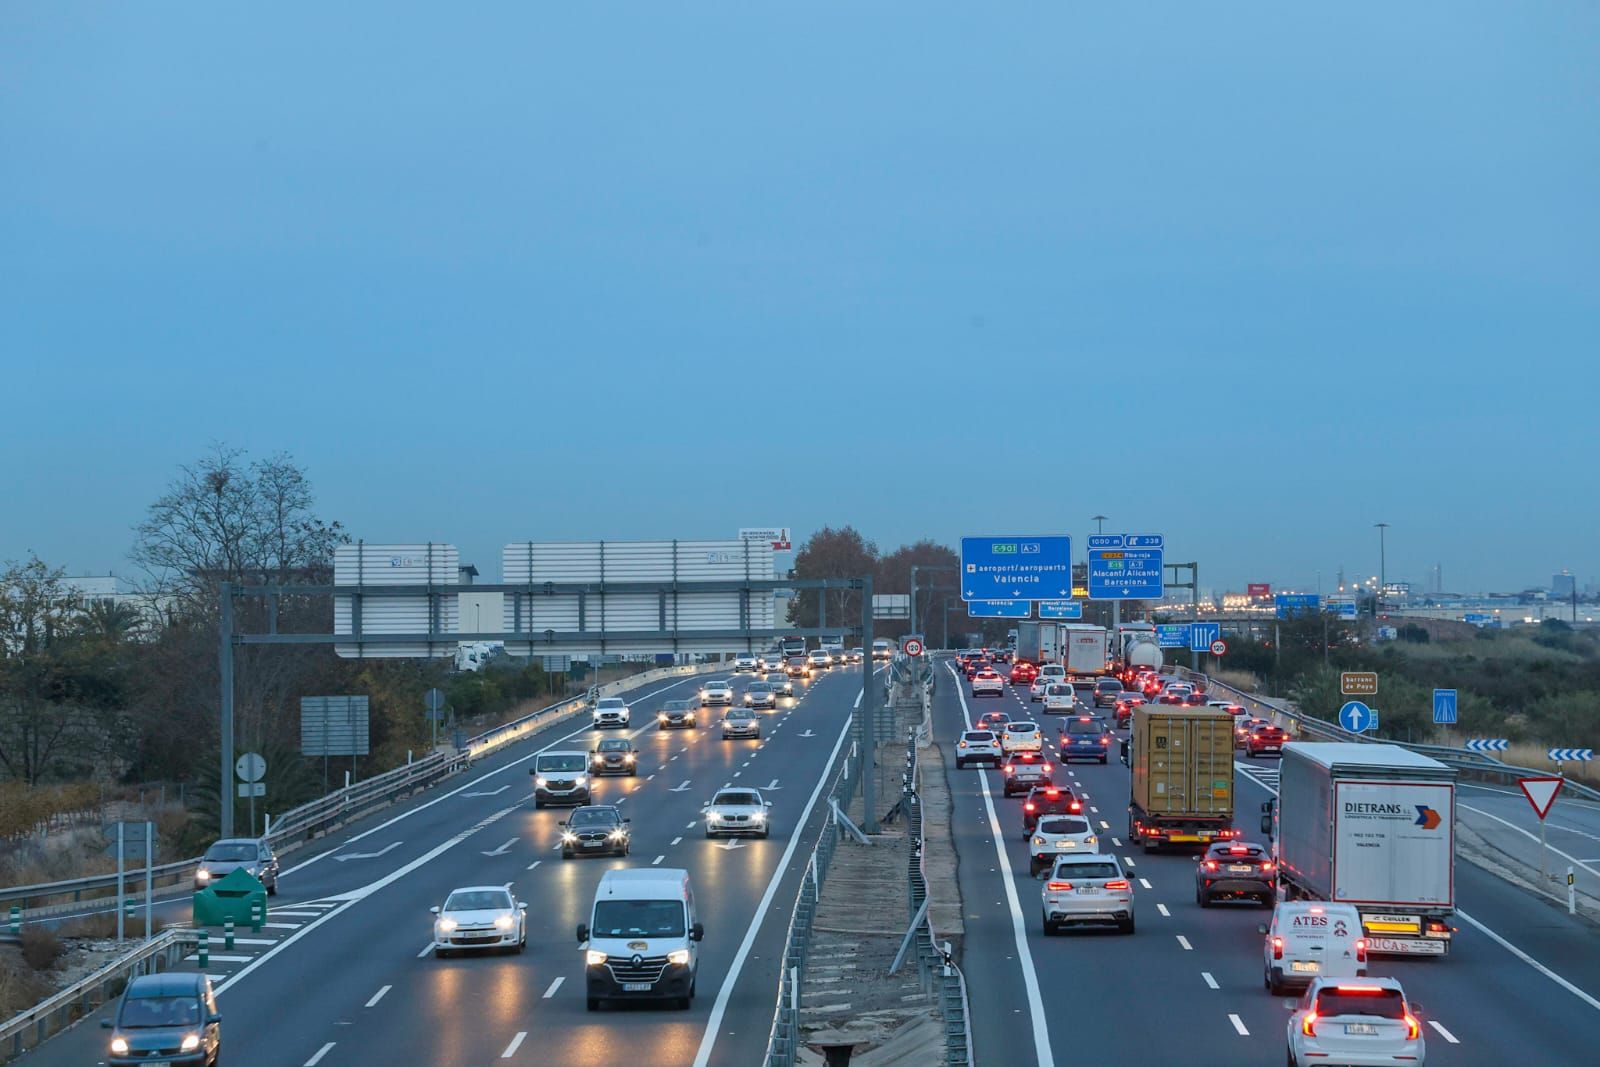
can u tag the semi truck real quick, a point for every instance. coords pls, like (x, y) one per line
(1039, 642)
(1374, 826)
(1182, 776)
(1135, 645)
(1083, 648)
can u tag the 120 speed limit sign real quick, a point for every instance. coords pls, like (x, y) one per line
(912, 647)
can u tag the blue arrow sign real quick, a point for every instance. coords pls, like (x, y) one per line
(1146, 541)
(1201, 634)
(1126, 574)
(1357, 717)
(1488, 744)
(1060, 609)
(999, 609)
(1016, 568)
(1444, 707)
(1172, 635)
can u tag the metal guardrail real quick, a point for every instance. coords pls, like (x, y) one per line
(31, 1028)
(1467, 762)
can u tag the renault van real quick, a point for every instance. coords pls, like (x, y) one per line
(642, 940)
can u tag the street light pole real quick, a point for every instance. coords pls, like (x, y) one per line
(1100, 521)
(1383, 562)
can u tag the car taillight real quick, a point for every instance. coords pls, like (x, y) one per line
(1211, 865)
(1267, 867)
(1277, 948)
(1308, 1025)
(1076, 807)
(1047, 768)
(1117, 883)
(1105, 740)
(1361, 950)
(1010, 769)
(1059, 887)
(1028, 806)
(1413, 1027)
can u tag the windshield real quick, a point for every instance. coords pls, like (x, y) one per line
(592, 817)
(738, 713)
(638, 918)
(1090, 727)
(678, 705)
(1063, 826)
(1087, 870)
(231, 853)
(1106, 683)
(1020, 727)
(1057, 690)
(160, 1011)
(737, 797)
(615, 745)
(984, 735)
(478, 900)
(760, 687)
(1376, 1000)
(612, 702)
(570, 762)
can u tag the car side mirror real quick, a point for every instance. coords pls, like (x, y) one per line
(562, 823)
(522, 905)
(1266, 824)
(533, 770)
(1417, 1009)
(1266, 807)
(766, 803)
(627, 820)
(697, 932)
(434, 909)
(105, 1024)
(1262, 928)
(583, 932)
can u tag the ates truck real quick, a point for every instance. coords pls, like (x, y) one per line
(1182, 772)
(1373, 826)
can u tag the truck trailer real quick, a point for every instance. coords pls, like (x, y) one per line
(1374, 826)
(1182, 776)
(1083, 648)
(1039, 642)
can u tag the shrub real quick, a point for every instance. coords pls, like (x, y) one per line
(41, 948)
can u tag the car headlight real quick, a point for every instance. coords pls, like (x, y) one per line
(540, 781)
(661, 717)
(759, 816)
(446, 925)
(119, 1047)
(568, 838)
(713, 816)
(678, 956)
(617, 834)
(630, 757)
(190, 1043)
(593, 958)
(579, 779)
(201, 875)
(504, 922)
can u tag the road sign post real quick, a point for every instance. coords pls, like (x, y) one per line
(1541, 793)
(1016, 568)
(1358, 683)
(1444, 707)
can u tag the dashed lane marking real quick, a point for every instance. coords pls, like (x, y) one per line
(1447, 1035)
(378, 996)
(548, 993)
(516, 1043)
(1184, 941)
(1210, 981)
(1162, 908)
(321, 1052)
(1238, 1024)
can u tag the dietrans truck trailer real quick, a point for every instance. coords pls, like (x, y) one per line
(1181, 761)
(1373, 826)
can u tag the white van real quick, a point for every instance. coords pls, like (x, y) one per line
(1312, 939)
(642, 940)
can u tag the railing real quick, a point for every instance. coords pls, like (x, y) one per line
(1475, 763)
(33, 1027)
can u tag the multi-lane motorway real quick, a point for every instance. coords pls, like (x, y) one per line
(343, 975)
(1521, 986)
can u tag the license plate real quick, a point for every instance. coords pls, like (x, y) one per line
(1185, 837)
(1305, 966)
(1366, 1029)
(636, 987)
(593, 844)
(1241, 868)
(1409, 946)
(1066, 844)
(158, 1063)
(1088, 889)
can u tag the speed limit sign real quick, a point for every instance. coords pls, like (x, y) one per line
(912, 647)
(1219, 647)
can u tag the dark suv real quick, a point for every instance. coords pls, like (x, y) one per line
(166, 1018)
(1047, 800)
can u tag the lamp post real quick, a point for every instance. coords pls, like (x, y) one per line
(1383, 561)
(1100, 522)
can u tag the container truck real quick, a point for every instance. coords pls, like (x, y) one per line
(1182, 776)
(1374, 826)
(1083, 648)
(1039, 642)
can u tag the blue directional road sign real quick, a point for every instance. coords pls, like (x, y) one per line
(1146, 541)
(1107, 541)
(1201, 634)
(1488, 744)
(1357, 717)
(1444, 707)
(1016, 568)
(1126, 574)
(999, 609)
(1289, 605)
(1172, 635)
(1060, 609)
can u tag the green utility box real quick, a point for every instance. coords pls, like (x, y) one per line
(237, 895)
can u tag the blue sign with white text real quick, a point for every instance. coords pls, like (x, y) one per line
(1126, 574)
(1201, 634)
(1016, 568)
(999, 609)
(1444, 707)
(1289, 605)
(1105, 541)
(1146, 541)
(1060, 609)
(1172, 635)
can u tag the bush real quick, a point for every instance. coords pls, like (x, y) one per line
(41, 948)
(20, 987)
(103, 927)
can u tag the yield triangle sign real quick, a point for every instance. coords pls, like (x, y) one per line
(1541, 793)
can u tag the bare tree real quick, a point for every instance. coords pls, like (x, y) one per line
(45, 709)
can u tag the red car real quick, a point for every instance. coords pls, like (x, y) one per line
(1242, 729)
(1265, 740)
(1023, 672)
(1125, 706)
(1151, 685)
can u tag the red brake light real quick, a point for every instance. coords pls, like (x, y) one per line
(1277, 948)
(1076, 807)
(1010, 769)
(1105, 740)
(1059, 887)
(1267, 867)
(1237, 850)
(1361, 950)
(1413, 1028)
(1028, 806)
(1047, 768)
(1117, 883)
(1308, 1024)
(1052, 793)
(1211, 865)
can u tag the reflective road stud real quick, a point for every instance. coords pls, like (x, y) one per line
(205, 950)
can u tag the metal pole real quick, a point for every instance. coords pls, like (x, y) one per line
(225, 669)
(149, 880)
(1194, 592)
(121, 883)
(1543, 858)
(1572, 894)
(869, 712)
(916, 629)
(1383, 567)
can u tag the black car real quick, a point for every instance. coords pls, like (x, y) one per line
(1236, 870)
(166, 1018)
(677, 715)
(1048, 800)
(615, 755)
(595, 830)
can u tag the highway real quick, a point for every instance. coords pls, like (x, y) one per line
(343, 973)
(1521, 986)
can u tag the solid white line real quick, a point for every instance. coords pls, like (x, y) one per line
(378, 996)
(1184, 941)
(216, 958)
(713, 1030)
(281, 926)
(1531, 962)
(1162, 908)
(321, 1052)
(1238, 1024)
(548, 993)
(1447, 1035)
(1210, 981)
(1585, 864)
(516, 1043)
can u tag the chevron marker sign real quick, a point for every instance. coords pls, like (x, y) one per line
(1571, 755)
(1488, 744)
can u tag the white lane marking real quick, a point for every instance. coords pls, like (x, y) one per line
(390, 847)
(1117, 842)
(255, 941)
(295, 914)
(1030, 978)
(651, 778)
(1162, 908)
(1210, 981)
(321, 1052)
(1447, 1035)
(515, 764)
(691, 825)
(713, 1030)
(1585, 864)
(516, 1043)
(1531, 962)
(1104, 825)
(675, 840)
(534, 864)
(1129, 861)
(490, 793)
(1144, 883)
(501, 851)
(657, 860)
(281, 926)
(216, 958)
(548, 993)
(378, 996)
(1238, 1024)
(425, 950)
(1184, 941)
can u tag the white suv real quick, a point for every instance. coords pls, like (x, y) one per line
(1364, 1021)
(1057, 835)
(1087, 890)
(611, 711)
(1020, 737)
(978, 746)
(988, 681)
(745, 665)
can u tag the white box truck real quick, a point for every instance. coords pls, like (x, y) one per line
(1085, 648)
(1039, 642)
(1373, 826)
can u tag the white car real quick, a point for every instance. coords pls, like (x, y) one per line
(990, 682)
(741, 722)
(738, 811)
(479, 916)
(1087, 890)
(1060, 699)
(978, 746)
(1053, 672)
(819, 660)
(1358, 1021)
(611, 711)
(780, 682)
(717, 692)
(1039, 685)
(760, 695)
(1020, 737)
(745, 665)
(1057, 835)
